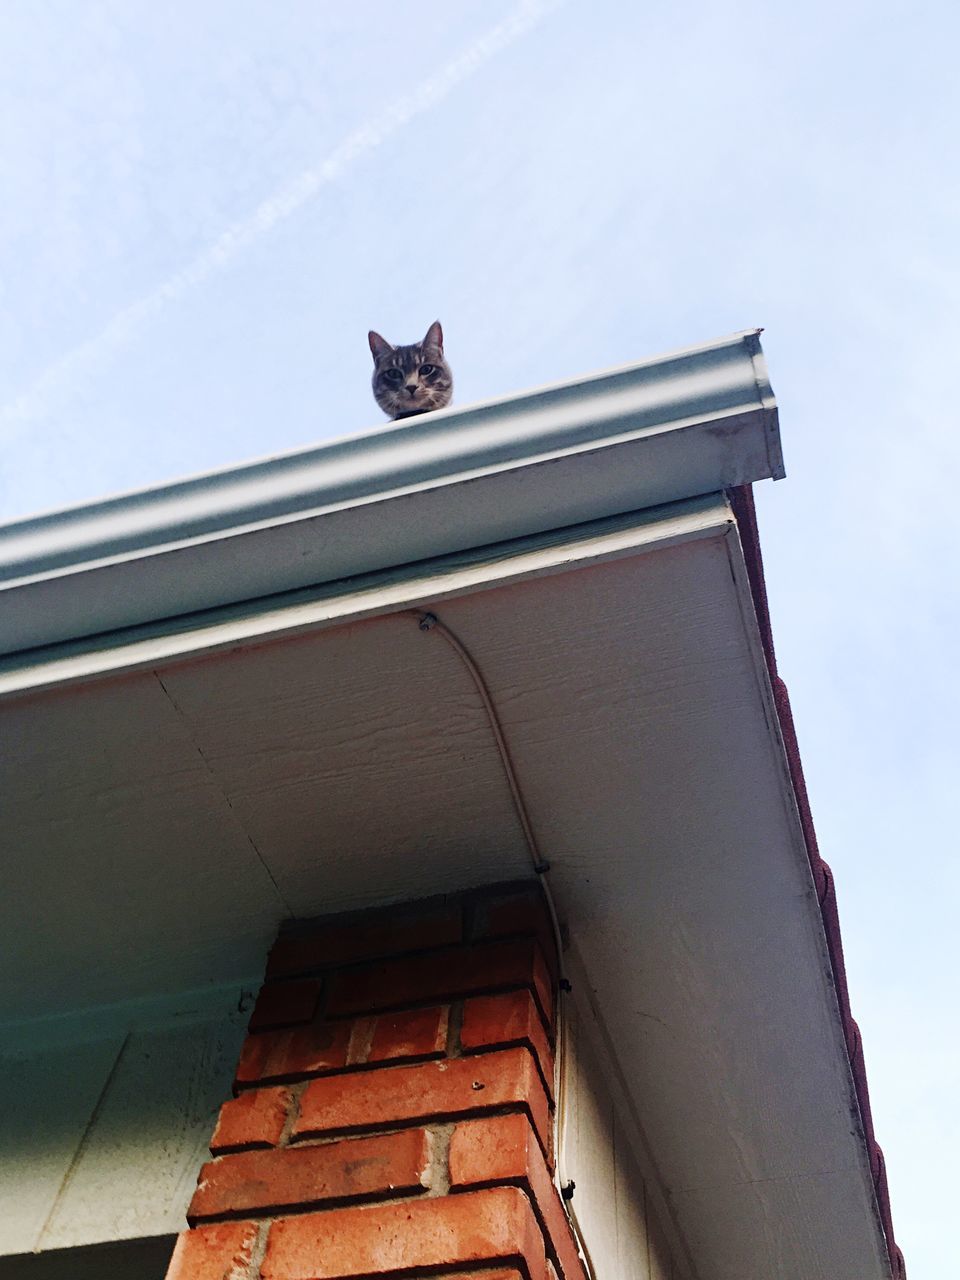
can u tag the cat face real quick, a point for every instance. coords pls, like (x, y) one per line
(411, 380)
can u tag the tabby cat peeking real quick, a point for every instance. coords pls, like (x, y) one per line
(411, 380)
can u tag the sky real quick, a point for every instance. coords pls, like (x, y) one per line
(206, 206)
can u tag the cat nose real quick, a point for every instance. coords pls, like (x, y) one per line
(411, 388)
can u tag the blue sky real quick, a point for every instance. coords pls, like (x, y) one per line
(206, 205)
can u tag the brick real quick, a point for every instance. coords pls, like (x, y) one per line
(417, 1033)
(392, 931)
(220, 1252)
(504, 1149)
(428, 1091)
(520, 911)
(484, 1227)
(294, 1054)
(512, 1018)
(257, 1182)
(444, 975)
(284, 1004)
(255, 1119)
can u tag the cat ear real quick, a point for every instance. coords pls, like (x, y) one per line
(378, 346)
(434, 337)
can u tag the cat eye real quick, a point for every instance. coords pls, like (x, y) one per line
(393, 375)
(427, 369)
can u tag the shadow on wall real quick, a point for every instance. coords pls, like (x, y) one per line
(120, 1260)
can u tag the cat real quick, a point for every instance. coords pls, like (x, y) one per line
(411, 380)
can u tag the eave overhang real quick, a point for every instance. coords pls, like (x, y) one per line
(695, 422)
(225, 713)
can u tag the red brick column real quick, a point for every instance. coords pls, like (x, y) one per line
(393, 1108)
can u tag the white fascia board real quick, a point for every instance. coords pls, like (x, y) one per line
(367, 596)
(693, 422)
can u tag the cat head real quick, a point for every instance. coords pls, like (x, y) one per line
(413, 379)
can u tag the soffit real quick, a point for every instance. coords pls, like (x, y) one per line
(161, 823)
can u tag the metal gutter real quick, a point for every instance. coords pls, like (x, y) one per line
(674, 427)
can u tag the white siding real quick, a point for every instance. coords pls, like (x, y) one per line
(104, 1128)
(613, 1203)
(48, 1102)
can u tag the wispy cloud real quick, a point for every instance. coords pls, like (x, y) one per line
(91, 356)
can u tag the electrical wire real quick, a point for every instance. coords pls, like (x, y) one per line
(430, 622)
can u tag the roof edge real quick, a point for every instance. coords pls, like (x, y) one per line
(744, 510)
(664, 430)
(715, 379)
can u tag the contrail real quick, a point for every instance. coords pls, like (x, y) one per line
(96, 351)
